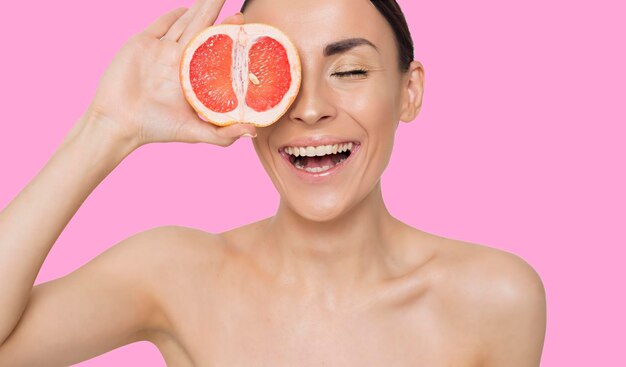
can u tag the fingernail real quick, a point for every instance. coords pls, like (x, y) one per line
(238, 13)
(248, 135)
(202, 118)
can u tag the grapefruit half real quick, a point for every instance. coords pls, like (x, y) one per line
(248, 73)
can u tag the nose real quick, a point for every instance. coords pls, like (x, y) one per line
(313, 103)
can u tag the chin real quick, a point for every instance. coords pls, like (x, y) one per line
(318, 211)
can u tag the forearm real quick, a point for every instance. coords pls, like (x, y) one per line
(34, 219)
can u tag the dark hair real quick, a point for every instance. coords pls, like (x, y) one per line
(395, 17)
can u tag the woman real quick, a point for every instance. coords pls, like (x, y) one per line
(331, 279)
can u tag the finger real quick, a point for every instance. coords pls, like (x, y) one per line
(204, 18)
(177, 29)
(234, 19)
(160, 26)
(235, 131)
(197, 131)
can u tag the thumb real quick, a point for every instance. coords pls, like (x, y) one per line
(198, 131)
(242, 129)
(237, 130)
(207, 132)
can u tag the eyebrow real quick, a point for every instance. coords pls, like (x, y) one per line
(345, 45)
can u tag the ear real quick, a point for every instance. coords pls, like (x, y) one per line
(412, 91)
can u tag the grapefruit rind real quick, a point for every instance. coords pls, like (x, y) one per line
(242, 114)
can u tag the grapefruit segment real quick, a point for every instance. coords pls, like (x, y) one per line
(246, 73)
(210, 74)
(268, 68)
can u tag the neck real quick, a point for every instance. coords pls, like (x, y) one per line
(326, 258)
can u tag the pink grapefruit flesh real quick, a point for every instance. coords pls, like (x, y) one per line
(246, 73)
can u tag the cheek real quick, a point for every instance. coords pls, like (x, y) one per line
(372, 105)
(262, 149)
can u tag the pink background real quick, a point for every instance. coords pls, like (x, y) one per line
(519, 146)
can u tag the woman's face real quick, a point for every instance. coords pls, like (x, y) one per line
(363, 108)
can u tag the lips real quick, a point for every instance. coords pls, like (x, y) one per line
(315, 159)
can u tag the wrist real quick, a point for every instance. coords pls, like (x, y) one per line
(98, 139)
(107, 133)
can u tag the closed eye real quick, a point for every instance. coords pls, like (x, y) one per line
(351, 73)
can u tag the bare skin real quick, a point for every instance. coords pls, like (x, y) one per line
(441, 303)
(331, 279)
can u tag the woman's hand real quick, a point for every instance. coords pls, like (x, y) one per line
(140, 95)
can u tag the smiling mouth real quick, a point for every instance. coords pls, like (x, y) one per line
(318, 159)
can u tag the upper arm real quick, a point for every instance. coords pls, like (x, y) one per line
(515, 317)
(105, 304)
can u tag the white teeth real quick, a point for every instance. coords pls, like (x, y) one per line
(311, 151)
(321, 150)
(344, 147)
(317, 169)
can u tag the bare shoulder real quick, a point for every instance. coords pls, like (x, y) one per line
(173, 242)
(166, 250)
(175, 258)
(119, 297)
(500, 296)
(172, 246)
(504, 276)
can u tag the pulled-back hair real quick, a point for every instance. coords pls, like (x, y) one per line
(391, 11)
